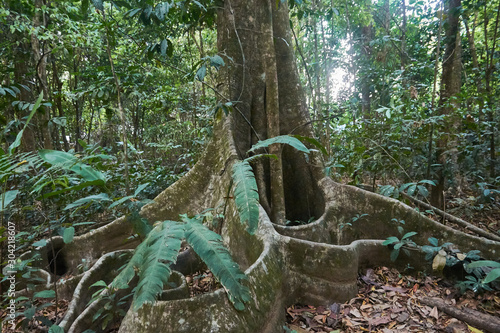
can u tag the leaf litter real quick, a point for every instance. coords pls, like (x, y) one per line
(390, 302)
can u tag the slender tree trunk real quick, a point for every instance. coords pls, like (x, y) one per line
(433, 97)
(366, 37)
(326, 59)
(317, 67)
(40, 61)
(448, 103)
(490, 68)
(58, 101)
(120, 109)
(20, 77)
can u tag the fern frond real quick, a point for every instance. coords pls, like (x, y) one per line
(259, 156)
(163, 244)
(246, 195)
(208, 245)
(284, 139)
(122, 280)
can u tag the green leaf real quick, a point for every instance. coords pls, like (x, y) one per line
(68, 235)
(433, 241)
(484, 263)
(201, 73)
(208, 245)
(69, 162)
(163, 245)
(246, 195)
(411, 190)
(390, 240)
(140, 188)
(394, 254)
(120, 201)
(314, 142)
(217, 61)
(45, 294)
(423, 191)
(492, 276)
(409, 234)
(40, 243)
(7, 197)
(17, 142)
(259, 156)
(425, 181)
(99, 283)
(405, 186)
(87, 200)
(284, 139)
(56, 329)
(73, 188)
(163, 48)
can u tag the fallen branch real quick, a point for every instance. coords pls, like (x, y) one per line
(454, 219)
(475, 318)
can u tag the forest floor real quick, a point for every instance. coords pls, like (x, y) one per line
(389, 302)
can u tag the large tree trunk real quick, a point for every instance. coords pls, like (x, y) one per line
(316, 263)
(244, 35)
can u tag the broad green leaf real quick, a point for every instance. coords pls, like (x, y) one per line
(40, 243)
(284, 139)
(56, 329)
(99, 283)
(409, 234)
(405, 186)
(390, 240)
(484, 263)
(433, 241)
(163, 48)
(68, 235)
(91, 198)
(217, 61)
(140, 188)
(394, 254)
(411, 190)
(492, 276)
(74, 188)
(45, 294)
(6, 198)
(120, 201)
(201, 73)
(425, 181)
(70, 162)
(422, 190)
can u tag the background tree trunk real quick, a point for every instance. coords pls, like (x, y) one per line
(451, 82)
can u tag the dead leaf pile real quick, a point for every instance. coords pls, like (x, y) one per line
(388, 302)
(48, 314)
(202, 282)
